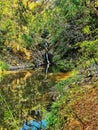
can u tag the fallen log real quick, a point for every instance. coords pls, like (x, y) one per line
(21, 67)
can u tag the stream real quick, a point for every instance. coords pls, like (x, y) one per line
(25, 90)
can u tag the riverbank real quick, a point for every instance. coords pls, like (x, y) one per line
(76, 101)
(77, 106)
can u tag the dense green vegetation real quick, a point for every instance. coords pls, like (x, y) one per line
(70, 27)
(62, 24)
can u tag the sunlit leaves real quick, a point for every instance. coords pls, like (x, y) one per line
(87, 30)
(3, 66)
(89, 50)
(96, 3)
(90, 47)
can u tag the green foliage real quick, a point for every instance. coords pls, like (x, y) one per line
(3, 66)
(63, 65)
(61, 110)
(87, 30)
(7, 115)
(89, 49)
(1, 77)
(53, 119)
(71, 81)
(67, 22)
(90, 46)
(77, 2)
(27, 40)
(56, 58)
(70, 8)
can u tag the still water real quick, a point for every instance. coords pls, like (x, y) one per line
(22, 91)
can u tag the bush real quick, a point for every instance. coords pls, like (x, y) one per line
(3, 66)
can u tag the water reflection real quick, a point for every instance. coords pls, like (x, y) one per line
(25, 90)
(20, 92)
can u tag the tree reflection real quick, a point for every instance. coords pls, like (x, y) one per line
(21, 92)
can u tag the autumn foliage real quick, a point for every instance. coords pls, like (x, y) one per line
(83, 113)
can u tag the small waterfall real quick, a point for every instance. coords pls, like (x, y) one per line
(47, 58)
(46, 70)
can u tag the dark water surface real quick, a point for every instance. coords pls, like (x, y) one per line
(22, 91)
